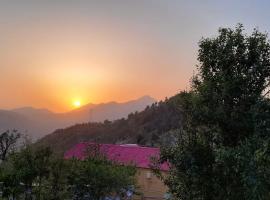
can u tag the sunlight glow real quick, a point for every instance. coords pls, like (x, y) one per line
(77, 104)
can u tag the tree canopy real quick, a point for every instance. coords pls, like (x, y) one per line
(35, 173)
(222, 150)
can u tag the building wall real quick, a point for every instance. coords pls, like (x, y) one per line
(149, 185)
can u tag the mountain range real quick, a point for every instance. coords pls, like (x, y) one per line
(37, 123)
(156, 125)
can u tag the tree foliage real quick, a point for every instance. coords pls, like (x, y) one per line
(223, 149)
(38, 174)
(97, 177)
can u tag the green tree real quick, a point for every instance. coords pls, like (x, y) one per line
(11, 188)
(34, 173)
(24, 172)
(57, 183)
(42, 165)
(222, 149)
(96, 177)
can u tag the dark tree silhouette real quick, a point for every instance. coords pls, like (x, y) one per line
(8, 141)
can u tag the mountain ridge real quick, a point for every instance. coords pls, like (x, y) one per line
(37, 122)
(155, 125)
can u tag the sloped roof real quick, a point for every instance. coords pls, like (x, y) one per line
(124, 154)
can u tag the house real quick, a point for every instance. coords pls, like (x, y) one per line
(150, 187)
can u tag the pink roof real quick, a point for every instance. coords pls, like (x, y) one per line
(124, 154)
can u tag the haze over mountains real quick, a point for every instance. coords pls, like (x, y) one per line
(156, 125)
(38, 122)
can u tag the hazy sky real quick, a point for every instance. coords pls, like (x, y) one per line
(55, 52)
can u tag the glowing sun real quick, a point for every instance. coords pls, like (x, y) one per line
(77, 104)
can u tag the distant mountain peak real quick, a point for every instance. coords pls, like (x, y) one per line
(147, 97)
(31, 109)
(39, 121)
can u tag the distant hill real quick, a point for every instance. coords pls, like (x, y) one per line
(39, 122)
(150, 127)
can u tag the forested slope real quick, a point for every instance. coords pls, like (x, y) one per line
(145, 128)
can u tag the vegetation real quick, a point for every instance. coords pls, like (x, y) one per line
(37, 174)
(149, 127)
(97, 177)
(8, 141)
(222, 150)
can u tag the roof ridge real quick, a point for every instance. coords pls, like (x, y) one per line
(120, 145)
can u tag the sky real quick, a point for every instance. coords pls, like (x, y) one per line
(54, 53)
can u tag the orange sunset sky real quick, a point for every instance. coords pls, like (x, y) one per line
(54, 53)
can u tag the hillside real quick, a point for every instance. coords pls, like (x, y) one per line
(38, 122)
(146, 128)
